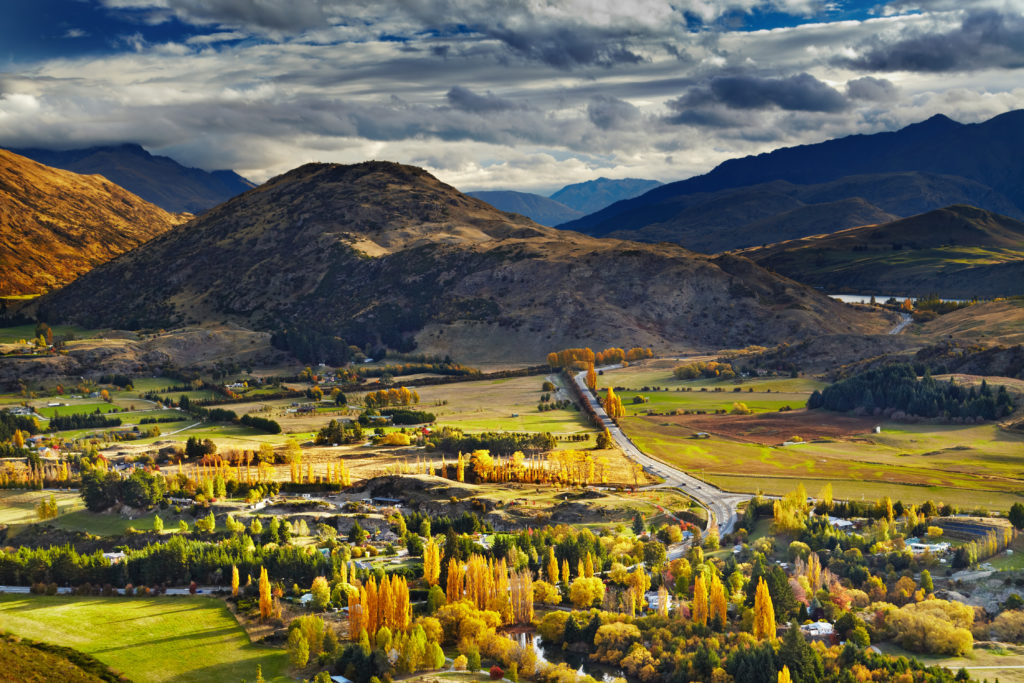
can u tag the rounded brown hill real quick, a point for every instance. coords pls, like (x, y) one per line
(56, 225)
(380, 253)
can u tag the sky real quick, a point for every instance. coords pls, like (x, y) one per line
(496, 94)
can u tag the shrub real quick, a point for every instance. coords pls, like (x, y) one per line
(459, 663)
(496, 673)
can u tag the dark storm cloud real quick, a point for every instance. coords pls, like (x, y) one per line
(800, 92)
(608, 113)
(567, 47)
(273, 15)
(464, 99)
(985, 39)
(871, 88)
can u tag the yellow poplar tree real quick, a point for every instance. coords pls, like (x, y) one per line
(432, 562)
(764, 612)
(591, 378)
(460, 469)
(718, 607)
(784, 676)
(355, 614)
(266, 600)
(234, 580)
(700, 601)
(552, 567)
(588, 566)
(662, 601)
(371, 609)
(565, 572)
(454, 588)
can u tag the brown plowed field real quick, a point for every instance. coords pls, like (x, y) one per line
(775, 428)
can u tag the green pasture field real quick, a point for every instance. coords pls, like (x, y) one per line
(142, 385)
(19, 507)
(658, 373)
(147, 639)
(969, 465)
(489, 405)
(11, 335)
(667, 401)
(768, 393)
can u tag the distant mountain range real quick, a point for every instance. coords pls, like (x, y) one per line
(569, 203)
(534, 206)
(378, 253)
(958, 252)
(948, 163)
(56, 225)
(594, 195)
(157, 179)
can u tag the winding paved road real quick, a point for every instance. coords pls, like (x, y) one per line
(721, 505)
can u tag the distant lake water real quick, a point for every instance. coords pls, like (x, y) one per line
(879, 298)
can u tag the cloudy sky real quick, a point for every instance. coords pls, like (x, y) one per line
(518, 94)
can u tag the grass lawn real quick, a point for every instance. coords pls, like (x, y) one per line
(18, 507)
(103, 524)
(77, 408)
(147, 639)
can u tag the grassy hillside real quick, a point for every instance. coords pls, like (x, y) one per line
(378, 253)
(957, 252)
(56, 225)
(28, 661)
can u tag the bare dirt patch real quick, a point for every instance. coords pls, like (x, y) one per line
(775, 428)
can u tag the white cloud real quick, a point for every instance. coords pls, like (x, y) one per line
(507, 104)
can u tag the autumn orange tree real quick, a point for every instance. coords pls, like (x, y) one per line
(591, 378)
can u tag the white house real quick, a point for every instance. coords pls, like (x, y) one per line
(841, 524)
(652, 600)
(819, 629)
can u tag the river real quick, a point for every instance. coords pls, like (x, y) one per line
(555, 655)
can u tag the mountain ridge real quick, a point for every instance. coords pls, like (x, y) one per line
(538, 208)
(159, 180)
(985, 153)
